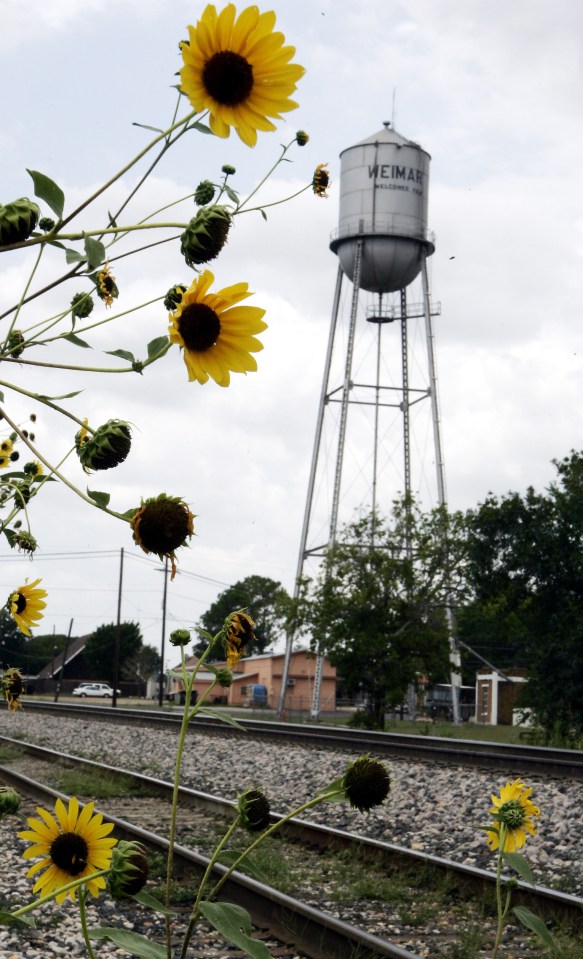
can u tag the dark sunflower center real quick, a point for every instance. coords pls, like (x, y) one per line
(69, 852)
(228, 77)
(199, 327)
(20, 603)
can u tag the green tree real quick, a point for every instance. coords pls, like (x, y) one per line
(41, 650)
(100, 649)
(12, 641)
(377, 609)
(526, 569)
(264, 599)
(143, 664)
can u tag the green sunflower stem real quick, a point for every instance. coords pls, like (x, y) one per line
(83, 916)
(46, 402)
(267, 175)
(195, 909)
(269, 832)
(25, 291)
(56, 892)
(502, 912)
(265, 206)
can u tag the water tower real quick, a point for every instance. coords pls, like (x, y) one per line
(372, 370)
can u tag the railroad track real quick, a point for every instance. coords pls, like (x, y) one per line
(526, 760)
(331, 939)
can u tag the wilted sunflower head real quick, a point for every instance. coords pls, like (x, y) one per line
(162, 524)
(174, 296)
(17, 220)
(25, 542)
(366, 783)
(106, 286)
(253, 808)
(239, 70)
(239, 633)
(321, 180)
(104, 449)
(13, 686)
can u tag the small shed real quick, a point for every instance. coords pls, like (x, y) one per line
(497, 695)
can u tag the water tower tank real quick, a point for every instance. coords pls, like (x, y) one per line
(384, 182)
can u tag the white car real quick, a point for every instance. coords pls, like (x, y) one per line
(94, 689)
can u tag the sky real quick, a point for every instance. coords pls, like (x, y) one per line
(491, 90)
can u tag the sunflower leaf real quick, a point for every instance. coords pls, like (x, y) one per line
(6, 918)
(222, 717)
(152, 903)
(333, 787)
(47, 190)
(145, 126)
(201, 127)
(132, 942)
(158, 347)
(65, 396)
(10, 535)
(535, 924)
(234, 197)
(100, 499)
(263, 214)
(72, 256)
(520, 864)
(123, 354)
(95, 251)
(71, 338)
(234, 923)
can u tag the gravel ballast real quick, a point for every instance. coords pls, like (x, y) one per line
(433, 808)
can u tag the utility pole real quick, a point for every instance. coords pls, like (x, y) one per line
(64, 660)
(117, 633)
(161, 682)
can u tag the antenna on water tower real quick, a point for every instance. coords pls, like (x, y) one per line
(382, 245)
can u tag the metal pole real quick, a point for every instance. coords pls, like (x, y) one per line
(347, 386)
(454, 652)
(62, 672)
(311, 485)
(117, 633)
(161, 683)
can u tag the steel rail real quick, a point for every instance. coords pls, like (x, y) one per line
(315, 933)
(565, 763)
(300, 830)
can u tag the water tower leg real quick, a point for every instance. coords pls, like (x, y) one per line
(311, 484)
(454, 652)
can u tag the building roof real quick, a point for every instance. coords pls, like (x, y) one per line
(75, 647)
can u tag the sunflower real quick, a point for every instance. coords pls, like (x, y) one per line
(239, 635)
(321, 180)
(215, 333)
(73, 845)
(513, 812)
(25, 604)
(239, 70)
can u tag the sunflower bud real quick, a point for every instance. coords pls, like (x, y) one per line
(180, 637)
(15, 343)
(204, 192)
(161, 525)
(82, 304)
(302, 138)
(17, 220)
(174, 296)
(205, 235)
(9, 801)
(224, 677)
(366, 783)
(46, 224)
(228, 170)
(253, 809)
(104, 449)
(128, 872)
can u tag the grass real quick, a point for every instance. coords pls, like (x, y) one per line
(8, 753)
(80, 782)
